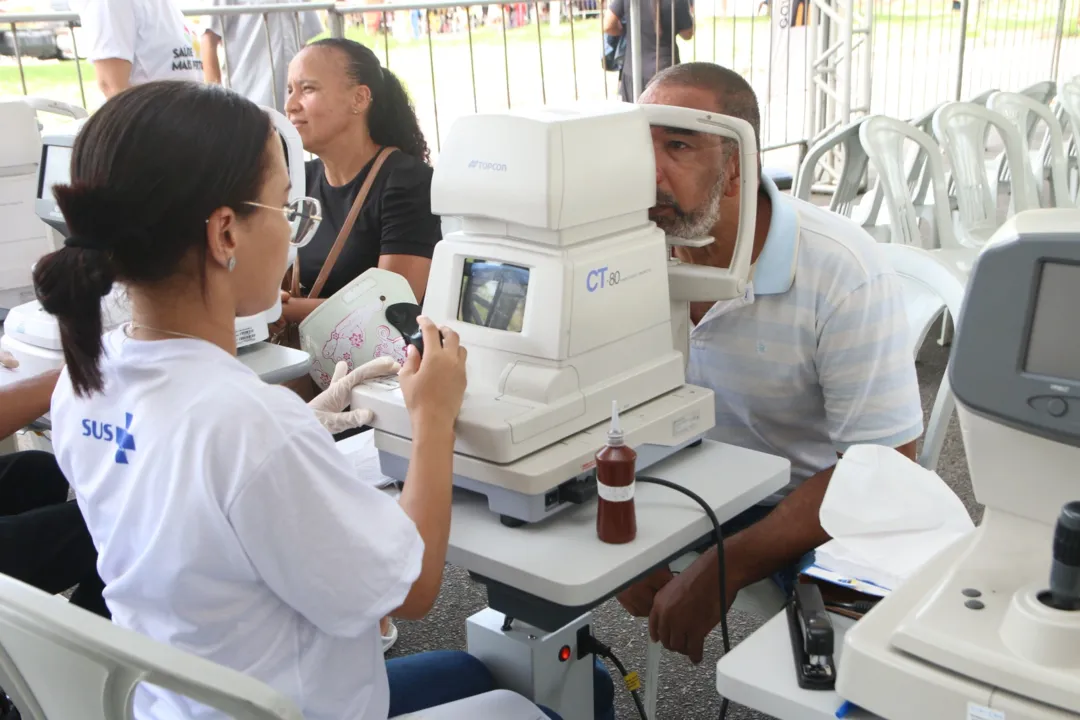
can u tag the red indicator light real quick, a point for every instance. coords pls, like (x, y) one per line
(564, 653)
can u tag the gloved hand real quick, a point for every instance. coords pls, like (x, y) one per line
(330, 403)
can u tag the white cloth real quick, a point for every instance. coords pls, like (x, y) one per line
(230, 526)
(257, 66)
(150, 34)
(887, 517)
(816, 356)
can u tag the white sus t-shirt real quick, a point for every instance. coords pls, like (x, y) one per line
(150, 34)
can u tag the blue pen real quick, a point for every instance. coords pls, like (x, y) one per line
(844, 709)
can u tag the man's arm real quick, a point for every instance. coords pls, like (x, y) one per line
(871, 396)
(612, 25)
(113, 76)
(684, 19)
(209, 52)
(783, 536)
(24, 402)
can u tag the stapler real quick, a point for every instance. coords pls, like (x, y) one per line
(811, 638)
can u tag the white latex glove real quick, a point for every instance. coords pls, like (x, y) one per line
(330, 403)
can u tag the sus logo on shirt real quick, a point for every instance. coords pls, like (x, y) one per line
(108, 432)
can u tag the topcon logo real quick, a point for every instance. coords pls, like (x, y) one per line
(482, 165)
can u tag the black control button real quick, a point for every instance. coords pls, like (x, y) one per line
(974, 605)
(1057, 407)
(971, 593)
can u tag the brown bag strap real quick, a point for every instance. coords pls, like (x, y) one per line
(346, 230)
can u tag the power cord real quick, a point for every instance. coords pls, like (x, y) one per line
(630, 679)
(718, 536)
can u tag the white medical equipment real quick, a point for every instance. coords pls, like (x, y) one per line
(25, 237)
(33, 335)
(350, 326)
(567, 298)
(990, 628)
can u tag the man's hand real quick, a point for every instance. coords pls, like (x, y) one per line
(638, 598)
(687, 609)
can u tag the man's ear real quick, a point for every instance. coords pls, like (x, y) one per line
(734, 176)
(220, 240)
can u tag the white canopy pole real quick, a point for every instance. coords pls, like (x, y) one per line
(635, 46)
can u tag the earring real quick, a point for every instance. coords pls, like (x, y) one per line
(231, 264)
(355, 111)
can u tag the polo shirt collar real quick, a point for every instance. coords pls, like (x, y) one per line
(774, 271)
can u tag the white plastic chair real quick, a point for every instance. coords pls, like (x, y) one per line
(930, 282)
(60, 662)
(1025, 114)
(917, 179)
(1042, 93)
(962, 129)
(884, 140)
(853, 170)
(1070, 103)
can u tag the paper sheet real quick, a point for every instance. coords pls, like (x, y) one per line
(887, 516)
(361, 451)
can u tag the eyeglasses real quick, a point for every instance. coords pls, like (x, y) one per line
(303, 214)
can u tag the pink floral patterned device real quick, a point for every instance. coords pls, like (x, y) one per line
(351, 325)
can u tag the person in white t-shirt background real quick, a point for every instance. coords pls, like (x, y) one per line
(227, 522)
(131, 42)
(257, 55)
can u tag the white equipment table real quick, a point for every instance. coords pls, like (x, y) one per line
(551, 572)
(759, 673)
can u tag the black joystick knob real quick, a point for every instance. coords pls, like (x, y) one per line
(1065, 571)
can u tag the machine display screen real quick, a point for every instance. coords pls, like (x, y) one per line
(493, 294)
(1054, 344)
(56, 170)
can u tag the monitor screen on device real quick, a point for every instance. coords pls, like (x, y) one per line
(493, 294)
(1054, 343)
(56, 170)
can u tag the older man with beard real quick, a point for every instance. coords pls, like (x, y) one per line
(812, 359)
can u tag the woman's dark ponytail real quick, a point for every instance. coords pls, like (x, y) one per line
(70, 284)
(392, 119)
(147, 170)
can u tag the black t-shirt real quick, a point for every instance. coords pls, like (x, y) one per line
(396, 220)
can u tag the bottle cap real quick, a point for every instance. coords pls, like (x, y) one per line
(615, 434)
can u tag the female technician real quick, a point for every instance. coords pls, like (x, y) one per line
(228, 524)
(347, 109)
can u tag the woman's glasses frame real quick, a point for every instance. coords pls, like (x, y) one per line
(303, 215)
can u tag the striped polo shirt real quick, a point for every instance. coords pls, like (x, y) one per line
(815, 357)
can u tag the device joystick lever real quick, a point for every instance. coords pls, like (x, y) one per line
(403, 317)
(1064, 591)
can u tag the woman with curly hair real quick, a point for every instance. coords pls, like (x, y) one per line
(356, 118)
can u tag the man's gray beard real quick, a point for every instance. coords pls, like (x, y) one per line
(694, 224)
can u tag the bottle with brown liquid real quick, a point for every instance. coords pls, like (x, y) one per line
(616, 518)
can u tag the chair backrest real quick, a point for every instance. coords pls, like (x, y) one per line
(918, 179)
(58, 662)
(883, 138)
(1025, 112)
(1070, 101)
(849, 181)
(982, 97)
(1041, 92)
(962, 129)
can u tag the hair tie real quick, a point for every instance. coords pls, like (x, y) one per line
(84, 243)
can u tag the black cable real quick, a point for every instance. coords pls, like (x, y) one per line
(633, 684)
(718, 535)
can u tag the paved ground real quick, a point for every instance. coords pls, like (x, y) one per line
(686, 692)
